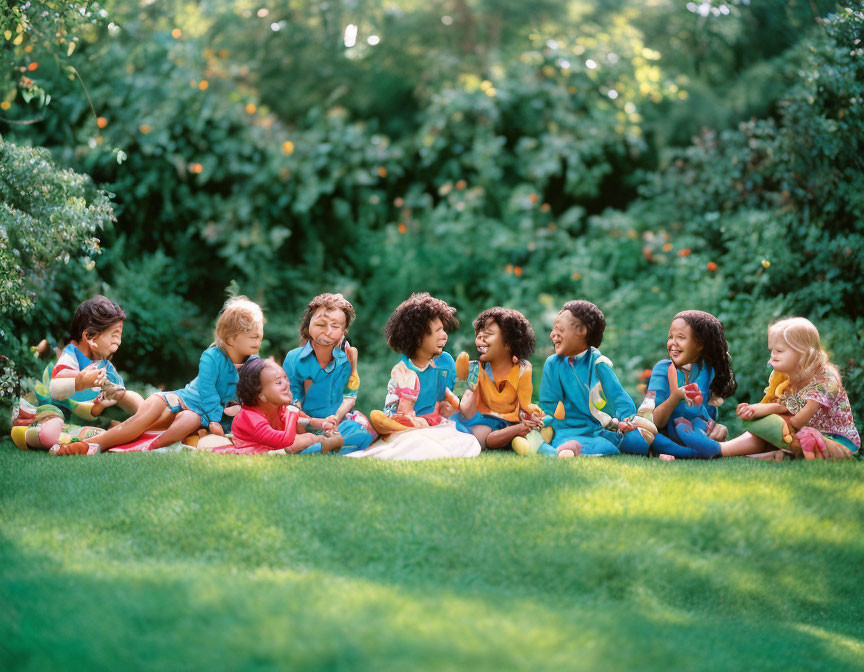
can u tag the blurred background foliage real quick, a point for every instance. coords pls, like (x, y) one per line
(647, 156)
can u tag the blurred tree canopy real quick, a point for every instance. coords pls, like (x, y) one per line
(649, 157)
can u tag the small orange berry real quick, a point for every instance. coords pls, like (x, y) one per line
(195, 168)
(533, 198)
(402, 228)
(28, 48)
(517, 271)
(667, 247)
(684, 252)
(203, 84)
(509, 268)
(576, 276)
(712, 266)
(461, 184)
(288, 147)
(251, 108)
(32, 66)
(176, 33)
(145, 128)
(101, 122)
(5, 105)
(399, 202)
(545, 207)
(382, 171)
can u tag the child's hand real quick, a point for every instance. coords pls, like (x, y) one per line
(716, 431)
(624, 426)
(523, 429)
(750, 411)
(445, 409)
(329, 423)
(216, 428)
(90, 376)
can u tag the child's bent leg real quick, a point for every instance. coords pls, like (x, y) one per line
(184, 424)
(599, 446)
(634, 444)
(694, 436)
(152, 414)
(481, 433)
(502, 438)
(131, 402)
(663, 445)
(355, 435)
(746, 444)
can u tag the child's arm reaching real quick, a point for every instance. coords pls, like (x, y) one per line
(262, 433)
(754, 411)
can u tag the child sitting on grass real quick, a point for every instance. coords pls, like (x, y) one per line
(323, 371)
(83, 380)
(805, 409)
(497, 406)
(267, 422)
(686, 389)
(415, 423)
(201, 403)
(578, 383)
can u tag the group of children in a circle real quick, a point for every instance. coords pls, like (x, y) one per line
(436, 406)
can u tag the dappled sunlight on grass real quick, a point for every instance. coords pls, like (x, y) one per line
(499, 559)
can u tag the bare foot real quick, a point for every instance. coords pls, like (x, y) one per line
(331, 443)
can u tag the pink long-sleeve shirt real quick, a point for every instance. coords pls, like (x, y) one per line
(254, 434)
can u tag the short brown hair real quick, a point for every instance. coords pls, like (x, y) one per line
(238, 316)
(515, 329)
(409, 323)
(95, 315)
(591, 316)
(330, 302)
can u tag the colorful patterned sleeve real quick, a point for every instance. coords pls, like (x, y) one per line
(823, 391)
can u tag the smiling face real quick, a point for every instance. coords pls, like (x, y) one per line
(434, 341)
(489, 342)
(569, 335)
(105, 343)
(681, 344)
(783, 358)
(275, 388)
(247, 343)
(327, 327)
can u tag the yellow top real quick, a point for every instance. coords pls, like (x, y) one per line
(504, 398)
(777, 384)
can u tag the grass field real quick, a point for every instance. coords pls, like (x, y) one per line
(191, 561)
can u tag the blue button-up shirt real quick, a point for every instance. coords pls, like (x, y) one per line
(329, 385)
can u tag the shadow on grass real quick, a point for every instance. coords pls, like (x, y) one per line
(625, 551)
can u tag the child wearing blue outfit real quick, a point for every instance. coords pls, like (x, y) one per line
(685, 390)
(578, 383)
(323, 371)
(201, 403)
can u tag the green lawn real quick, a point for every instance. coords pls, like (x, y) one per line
(180, 561)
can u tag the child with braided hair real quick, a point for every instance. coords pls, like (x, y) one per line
(686, 389)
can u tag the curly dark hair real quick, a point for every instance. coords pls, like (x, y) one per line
(95, 316)
(249, 385)
(330, 302)
(711, 335)
(516, 330)
(591, 316)
(409, 323)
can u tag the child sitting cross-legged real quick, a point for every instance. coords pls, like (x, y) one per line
(497, 404)
(267, 422)
(580, 389)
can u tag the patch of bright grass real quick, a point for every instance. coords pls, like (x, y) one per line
(179, 561)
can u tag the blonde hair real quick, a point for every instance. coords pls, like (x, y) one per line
(801, 335)
(238, 316)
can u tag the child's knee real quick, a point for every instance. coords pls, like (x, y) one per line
(634, 443)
